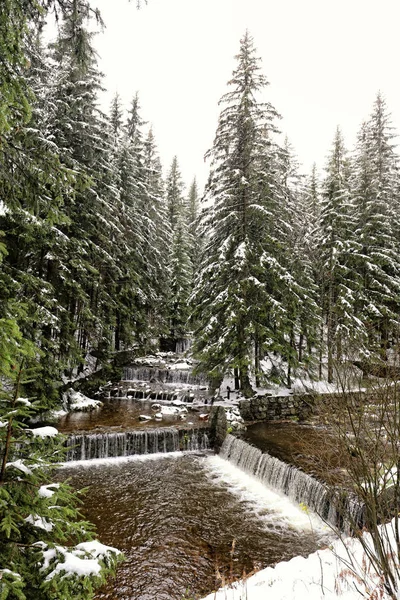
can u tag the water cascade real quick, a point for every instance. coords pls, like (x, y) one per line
(87, 446)
(297, 485)
(164, 376)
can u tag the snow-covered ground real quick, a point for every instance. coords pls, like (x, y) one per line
(74, 401)
(340, 572)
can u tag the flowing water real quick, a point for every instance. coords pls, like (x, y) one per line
(184, 521)
(88, 446)
(122, 413)
(299, 486)
(163, 376)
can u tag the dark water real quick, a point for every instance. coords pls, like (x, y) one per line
(124, 414)
(308, 447)
(183, 523)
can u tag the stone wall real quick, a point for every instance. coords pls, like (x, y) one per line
(218, 427)
(275, 408)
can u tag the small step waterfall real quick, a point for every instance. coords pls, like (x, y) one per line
(165, 376)
(294, 483)
(87, 446)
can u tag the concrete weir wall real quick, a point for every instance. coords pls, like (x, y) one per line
(275, 408)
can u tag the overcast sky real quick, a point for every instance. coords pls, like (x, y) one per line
(325, 61)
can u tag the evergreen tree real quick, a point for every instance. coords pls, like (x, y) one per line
(33, 187)
(375, 191)
(46, 550)
(116, 118)
(193, 213)
(239, 300)
(300, 299)
(311, 210)
(179, 257)
(174, 194)
(159, 238)
(82, 133)
(180, 282)
(337, 288)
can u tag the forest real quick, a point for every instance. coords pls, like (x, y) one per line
(271, 273)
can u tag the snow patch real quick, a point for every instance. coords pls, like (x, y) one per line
(39, 522)
(76, 401)
(44, 432)
(76, 562)
(24, 401)
(180, 366)
(341, 571)
(46, 491)
(20, 465)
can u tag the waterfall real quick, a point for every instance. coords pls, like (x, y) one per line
(294, 483)
(155, 375)
(87, 446)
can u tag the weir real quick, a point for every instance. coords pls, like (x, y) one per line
(87, 446)
(294, 483)
(164, 376)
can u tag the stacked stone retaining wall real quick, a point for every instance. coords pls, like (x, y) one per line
(275, 408)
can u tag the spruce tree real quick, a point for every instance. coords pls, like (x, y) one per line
(193, 213)
(375, 192)
(160, 238)
(179, 261)
(337, 287)
(82, 133)
(174, 194)
(300, 300)
(239, 300)
(46, 550)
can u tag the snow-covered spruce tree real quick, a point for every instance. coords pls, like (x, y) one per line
(180, 265)
(337, 285)
(82, 133)
(47, 551)
(181, 282)
(127, 181)
(239, 302)
(193, 212)
(174, 187)
(33, 185)
(303, 315)
(311, 211)
(154, 228)
(158, 269)
(375, 193)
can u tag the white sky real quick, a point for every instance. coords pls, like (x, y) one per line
(325, 61)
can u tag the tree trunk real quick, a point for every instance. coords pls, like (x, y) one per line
(257, 360)
(237, 380)
(300, 353)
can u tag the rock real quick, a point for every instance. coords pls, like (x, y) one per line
(177, 403)
(203, 417)
(237, 426)
(158, 416)
(144, 418)
(156, 407)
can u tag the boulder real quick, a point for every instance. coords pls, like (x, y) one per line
(145, 418)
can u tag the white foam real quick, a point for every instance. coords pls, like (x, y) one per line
(121, 459)
(270, 505)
